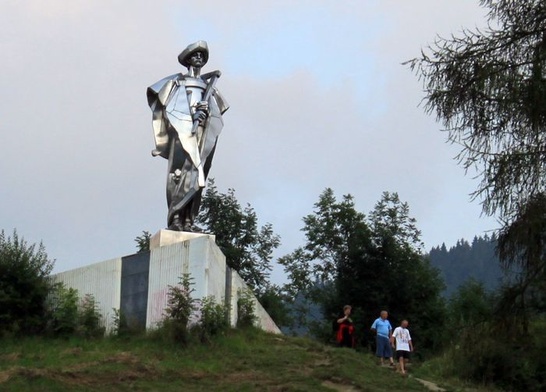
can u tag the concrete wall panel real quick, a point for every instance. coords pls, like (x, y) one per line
(264, 321)
(139, 284)
(102, 280)
(167, 265)
(134, 289)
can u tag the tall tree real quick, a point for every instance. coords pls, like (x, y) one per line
(247, 247)
(391, 218)
(371, 263)
(335, 231)
(522, 245)
(410, 287)
(488, 88)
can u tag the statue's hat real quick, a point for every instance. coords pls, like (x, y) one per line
(199, 46)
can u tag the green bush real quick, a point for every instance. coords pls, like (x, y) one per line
(275, 303)
(213, 320)
(490, 356)
(63, 311)
(69, 316)
(24, 286)
(121, 327)
(246, 316)
(493, 348)
(180, 306)
(90, 323)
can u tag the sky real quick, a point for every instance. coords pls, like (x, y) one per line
(319, 98)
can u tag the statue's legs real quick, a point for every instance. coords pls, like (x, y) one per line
(183, 192)
(183, 189)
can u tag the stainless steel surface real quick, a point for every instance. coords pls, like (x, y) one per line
(187, 119)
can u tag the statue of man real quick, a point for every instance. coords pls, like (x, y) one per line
(187, 120)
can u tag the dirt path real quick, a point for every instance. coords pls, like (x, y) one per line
(430, 385)
(339, 387)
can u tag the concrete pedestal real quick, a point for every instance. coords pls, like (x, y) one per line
(169, 237)
(138, 284)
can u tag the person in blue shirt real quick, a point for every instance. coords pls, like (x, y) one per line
(383, 330)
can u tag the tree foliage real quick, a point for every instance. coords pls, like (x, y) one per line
(524, 241)
(143, 241)
(24, 285)
(334, 232)
(371, 263)
(275, 302)
(247, 247)
(470, 305)
(487, 347)
(522, 245)
(391, 219)
(469, 260)
(488, 88)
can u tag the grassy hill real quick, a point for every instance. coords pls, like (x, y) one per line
(240, 361)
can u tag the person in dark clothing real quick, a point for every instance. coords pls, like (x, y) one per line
(345, 333)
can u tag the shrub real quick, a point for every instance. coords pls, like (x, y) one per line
(493, 348)
(24, 285)
(63, 311)
(89, 319)
(275, 303)
(121, 327)
(180, 306)
(213, 320)
(245, 309)
(489, 355)
(68, 315)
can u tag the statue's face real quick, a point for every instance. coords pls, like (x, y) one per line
(197, 60)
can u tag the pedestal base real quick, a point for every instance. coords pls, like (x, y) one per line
(169, 237)
(138, 285)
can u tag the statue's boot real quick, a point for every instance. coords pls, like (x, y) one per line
(176, 224)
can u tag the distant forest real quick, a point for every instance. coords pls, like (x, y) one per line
(476, 260)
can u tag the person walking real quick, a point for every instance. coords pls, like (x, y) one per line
(401, 341)
(383, 330)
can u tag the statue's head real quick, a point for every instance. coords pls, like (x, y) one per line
(195, 55)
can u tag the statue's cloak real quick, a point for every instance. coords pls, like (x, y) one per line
(188, 150)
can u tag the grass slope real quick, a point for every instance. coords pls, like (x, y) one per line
(240, 361)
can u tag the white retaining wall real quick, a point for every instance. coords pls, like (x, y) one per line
(102, 280)
(173, 254)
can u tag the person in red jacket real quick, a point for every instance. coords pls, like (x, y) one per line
(345, 333)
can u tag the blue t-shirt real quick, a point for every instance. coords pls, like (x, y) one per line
(383, 327)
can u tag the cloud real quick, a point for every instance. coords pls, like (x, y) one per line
(318, 97)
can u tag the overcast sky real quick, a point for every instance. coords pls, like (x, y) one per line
(318, 98)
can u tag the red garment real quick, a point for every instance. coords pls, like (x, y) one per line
(344, 333)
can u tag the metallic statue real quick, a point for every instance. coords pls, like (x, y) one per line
(187, 119)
